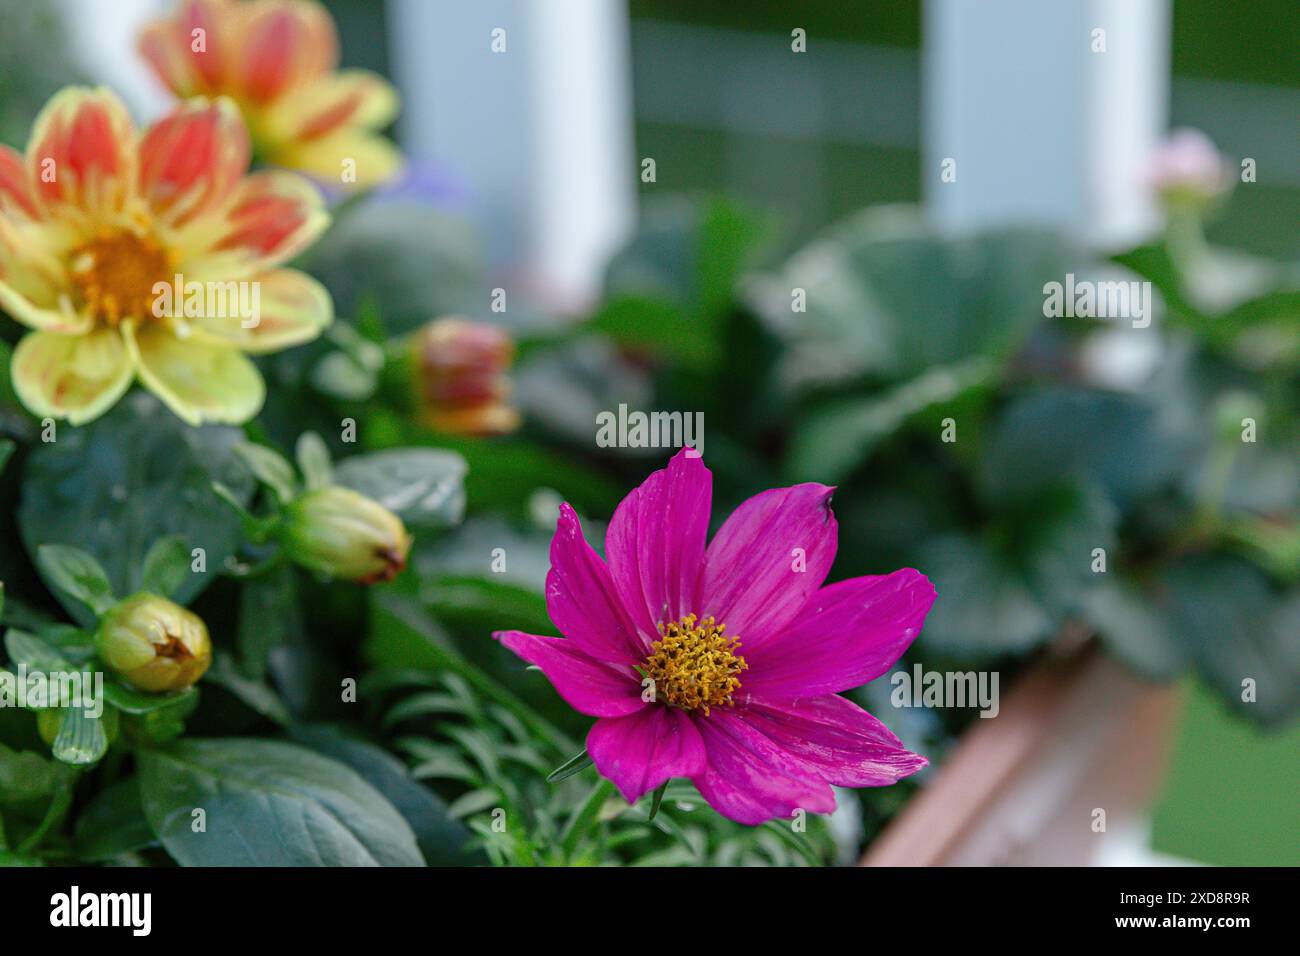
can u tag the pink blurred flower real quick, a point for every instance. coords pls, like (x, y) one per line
(723, 663)
(1188, 169)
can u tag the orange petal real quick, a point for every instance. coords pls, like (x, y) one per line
(191, 160)
(15, 194)
(269, 218)
(77, 377)
(283, 44)
(81, 155)
(291, 308)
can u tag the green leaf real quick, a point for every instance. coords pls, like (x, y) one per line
(268, 617)
(836, 438)
(340, 376)
(25, 775)
(422, 486)
(640, 323)
(137, 703)
(1135, 631)
(314, 461)
(72, 573)
(1236, 627)
(1054, 538)
(269, 804)
(7, 447)
(440, 836)
(671, 288)
(271, 469)
(254, 693)
(166, 566)
(658, 799)
(574, 765)
(99, 488)
(888, 298)
(1030, 568)
(113, 824)
(984, 605)
(35, 653)
(81, 740)
(1122, 443)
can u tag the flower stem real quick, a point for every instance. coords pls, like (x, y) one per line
(54, 814)
(584, 818)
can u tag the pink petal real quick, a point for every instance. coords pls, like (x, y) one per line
(751, 779)
(590, 686)
(582, 601)
(642, 750)
(848, 634)
(767, 560)
(655, 542)
(848, 746)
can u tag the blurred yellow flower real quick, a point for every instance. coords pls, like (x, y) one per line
(278, 60)
(152, 255)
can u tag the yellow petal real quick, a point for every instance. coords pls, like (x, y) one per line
(346, 100)
(77, 377)
(196, 380)
(351, 159)
(43, 318)
(276, 311)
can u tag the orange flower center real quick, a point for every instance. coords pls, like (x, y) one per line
(694, 665)
(116, 273)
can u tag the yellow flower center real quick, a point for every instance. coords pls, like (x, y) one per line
(116, 273)
(694, 664)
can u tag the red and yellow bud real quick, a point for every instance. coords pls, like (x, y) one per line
(154, 644)
(461, 370)
(342, 534)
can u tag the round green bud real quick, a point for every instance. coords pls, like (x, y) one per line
(153, 644)
(343, 534)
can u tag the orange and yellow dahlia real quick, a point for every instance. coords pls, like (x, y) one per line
(98, 224)
(278, 60)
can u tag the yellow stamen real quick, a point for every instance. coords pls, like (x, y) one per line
(694, 665)
(116, 273)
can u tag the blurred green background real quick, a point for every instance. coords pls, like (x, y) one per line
(1230, 796)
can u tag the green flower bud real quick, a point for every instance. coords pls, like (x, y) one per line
(343, 534)
(50, 722)
(154, 644)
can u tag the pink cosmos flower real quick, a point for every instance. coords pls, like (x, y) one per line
(723, 663)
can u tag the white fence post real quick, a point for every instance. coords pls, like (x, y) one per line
(1048, 109)
(530, 103)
